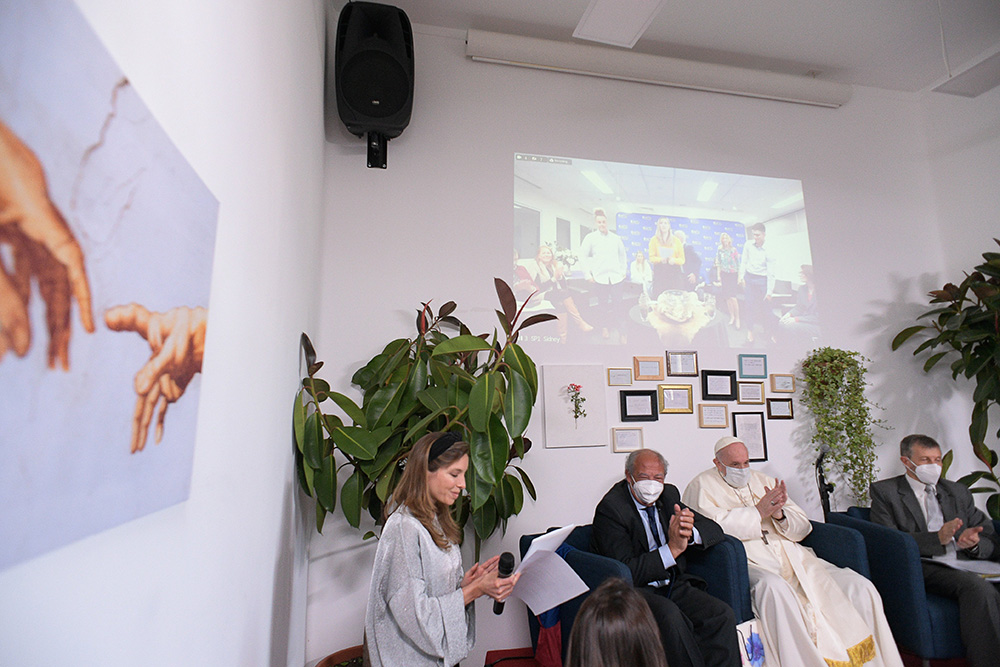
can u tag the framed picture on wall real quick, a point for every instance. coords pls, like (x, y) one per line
(782, 383)
(779, 408)
(563, 427)
(718, 385)
(713, 415)
(626, 438)
(749, 427)
(638, 405)
(648, 368)
(750, 392)
(675, 398)
(753, 366)
(619, 377)
(682, 363)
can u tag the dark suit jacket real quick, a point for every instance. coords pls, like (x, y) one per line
(895, 506)
(618, 533)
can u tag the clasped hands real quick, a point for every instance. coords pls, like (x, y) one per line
(772, 503)
(680, 530)
(481, 579)
(967, 539)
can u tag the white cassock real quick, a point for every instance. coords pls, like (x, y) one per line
(812, 613)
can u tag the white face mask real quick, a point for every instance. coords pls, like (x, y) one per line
(928, 473)
(647, 490)
(737, 477)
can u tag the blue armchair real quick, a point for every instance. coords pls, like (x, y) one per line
(921, 622)
(724, 567)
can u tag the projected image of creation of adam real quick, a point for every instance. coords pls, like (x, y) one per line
(636, 254)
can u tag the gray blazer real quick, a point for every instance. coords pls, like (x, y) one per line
(895, 506)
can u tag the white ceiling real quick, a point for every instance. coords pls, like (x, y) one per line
(890, 44)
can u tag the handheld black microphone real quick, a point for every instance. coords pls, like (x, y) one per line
(504, 569)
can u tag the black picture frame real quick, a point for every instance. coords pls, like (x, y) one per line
(749, 427)
(708, 377)
(780, 408)
(627, 405)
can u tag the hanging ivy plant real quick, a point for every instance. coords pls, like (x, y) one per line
(834, 391)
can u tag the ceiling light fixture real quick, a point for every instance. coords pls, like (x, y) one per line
(706, 190)
(788, 201)
(607, 63)
(598, 182)
(617, 22)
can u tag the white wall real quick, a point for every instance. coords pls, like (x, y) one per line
(437, 225)
(219, 579)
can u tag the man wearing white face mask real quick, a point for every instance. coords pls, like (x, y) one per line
(642, 523)
(943, 519)
(812, 613)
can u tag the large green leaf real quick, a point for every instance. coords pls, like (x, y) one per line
(904, 335)
(350, 499)
(460, 344)
(417, 381)
(485, 519)
(320, 518)
(993, 506)
(350, 408)
(481, 400)
(382, 406)
(516, 492)
(299, 420)
(503, 499)
(488, 450)
(419, 429)
(507, 301)
(386, 484)
(325, 484)
(434, 398)
(986, 385)
(387, 451)
(517, 404)
(933, 359)
(527, 483)
(478, 488)
(358, 442)
(312, 444)
(972, 477)
(520, 362)
(307, 349)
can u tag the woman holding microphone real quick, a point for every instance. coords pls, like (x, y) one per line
(420, 605)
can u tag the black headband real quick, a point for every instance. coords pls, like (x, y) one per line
(442, 444)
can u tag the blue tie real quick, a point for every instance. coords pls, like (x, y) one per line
(651, 513)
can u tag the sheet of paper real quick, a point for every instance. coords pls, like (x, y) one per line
(546, 579)
(985, 568)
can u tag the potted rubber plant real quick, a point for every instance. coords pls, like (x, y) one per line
(963, 325)
(442, 378)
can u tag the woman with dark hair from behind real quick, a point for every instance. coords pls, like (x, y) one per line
(420, 605)
(615, 628)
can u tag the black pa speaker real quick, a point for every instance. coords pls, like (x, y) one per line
(374, 69)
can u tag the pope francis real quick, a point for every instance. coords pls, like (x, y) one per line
(812, 613)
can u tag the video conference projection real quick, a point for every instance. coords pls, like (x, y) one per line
(641, 254)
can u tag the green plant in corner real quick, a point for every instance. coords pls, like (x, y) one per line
(965, 321)
(834, 392)
(480, 386)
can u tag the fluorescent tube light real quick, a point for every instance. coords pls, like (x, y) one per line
(607, 63)
(598, 182)
(706, 190)
(788, 201)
